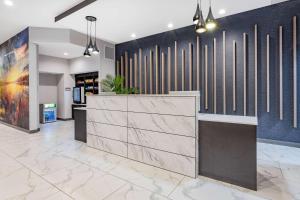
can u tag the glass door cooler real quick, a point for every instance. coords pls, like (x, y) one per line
(48, 113)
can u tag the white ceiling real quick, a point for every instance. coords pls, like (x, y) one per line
(118, 19)
(59, 50)
(26, 13)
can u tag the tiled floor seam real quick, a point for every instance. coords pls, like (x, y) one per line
(38, 175)
(176, 187)
(115, 191)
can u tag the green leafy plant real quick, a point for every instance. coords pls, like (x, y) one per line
(111, 84)
(107, 84)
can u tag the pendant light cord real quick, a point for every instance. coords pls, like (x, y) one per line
(95, 30)
(87, 32)
(91, 30)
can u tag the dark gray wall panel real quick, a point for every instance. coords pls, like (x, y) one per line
(268, 20)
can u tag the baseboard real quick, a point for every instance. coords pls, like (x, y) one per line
(20, 129)
(282, 143)
(62, 119)
(34, 131)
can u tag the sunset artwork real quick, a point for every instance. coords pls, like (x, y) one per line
(14, 81)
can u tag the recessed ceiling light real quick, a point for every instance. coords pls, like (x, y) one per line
(222, 11)
(133, 35)
(170, 25)
(66, 54)
(8, 2)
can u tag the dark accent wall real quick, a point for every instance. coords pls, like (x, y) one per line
(268, 20)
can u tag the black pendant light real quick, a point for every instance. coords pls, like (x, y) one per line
(211, 22)
(91, 47)
(95, 49)
(200, 26)
(197, 14)
(86, 52)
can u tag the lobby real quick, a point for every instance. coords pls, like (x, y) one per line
(131, 100)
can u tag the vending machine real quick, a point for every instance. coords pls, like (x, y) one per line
(48, 113)
(78, 95)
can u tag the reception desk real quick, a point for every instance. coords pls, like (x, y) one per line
(158, 130)
(227, 149)
(167, 131)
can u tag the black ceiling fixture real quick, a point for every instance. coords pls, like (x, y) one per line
(91, 47)
(73, 9)
(197, 14)
(201, 25)
(211, 22)
(86, 52)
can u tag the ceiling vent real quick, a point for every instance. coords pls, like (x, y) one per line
(109, 53)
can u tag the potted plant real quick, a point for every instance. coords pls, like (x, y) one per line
(115, 84)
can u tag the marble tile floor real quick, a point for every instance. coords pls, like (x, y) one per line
(52, 165)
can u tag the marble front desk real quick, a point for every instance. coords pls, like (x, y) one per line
(158, 130)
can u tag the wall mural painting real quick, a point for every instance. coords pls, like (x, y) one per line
(14, 81)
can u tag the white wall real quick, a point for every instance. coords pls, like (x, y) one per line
(53, 65)
(60, 99)
(93, 64)
(60, 67)
(78, 65)
(48, 88)
(84, 65)
(46, 64)
(33, 87)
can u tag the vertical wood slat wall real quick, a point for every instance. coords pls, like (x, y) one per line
(190, 67)
(175, 66)
(214, 67)
(255, 69)
(245, 72)
(145, 75)
(281, 73)
(224, 73)
(140, 70)
(295, 75)
(151, 71)
(122, 68)
(183, 70)
(126, 69)
(135, 70)
(156, 69)
(198, 63)
(206, 77)
(118, 68)
(169, 68)
(130, 71)
(268, 73)
(234, 76)
(161, 71)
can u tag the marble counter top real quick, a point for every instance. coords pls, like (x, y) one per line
(233, 119)
(81, 108)
(172, 93)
